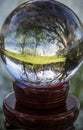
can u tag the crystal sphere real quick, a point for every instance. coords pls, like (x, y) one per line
(42, 43)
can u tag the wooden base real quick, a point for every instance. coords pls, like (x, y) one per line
(43, 98)
(60, 118)
(11, 127)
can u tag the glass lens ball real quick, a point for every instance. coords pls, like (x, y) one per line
(42, 43)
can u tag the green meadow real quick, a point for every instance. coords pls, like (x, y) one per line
(35, 59)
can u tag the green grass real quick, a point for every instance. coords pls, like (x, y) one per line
(35, 59)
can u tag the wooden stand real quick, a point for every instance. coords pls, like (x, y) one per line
(34, 108)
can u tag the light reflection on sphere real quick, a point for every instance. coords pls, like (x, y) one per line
(41, 43)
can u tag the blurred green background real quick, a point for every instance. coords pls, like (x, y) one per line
(76, 87)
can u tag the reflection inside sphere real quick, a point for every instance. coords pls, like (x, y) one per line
(41, 43)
